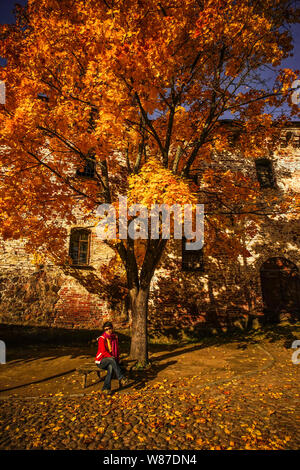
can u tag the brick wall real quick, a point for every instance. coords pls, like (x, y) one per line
(48, 295)
(224, 292)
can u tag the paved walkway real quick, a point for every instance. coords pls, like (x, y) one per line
(233, 395)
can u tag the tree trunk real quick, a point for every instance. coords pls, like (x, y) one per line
(139, 307)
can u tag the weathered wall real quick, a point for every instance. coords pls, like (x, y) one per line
(224, 292)
(228, 292)
(49, 295)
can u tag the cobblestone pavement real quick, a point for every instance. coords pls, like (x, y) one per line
(255, 409)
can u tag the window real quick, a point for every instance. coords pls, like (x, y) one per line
(264, 173)
(192, 260)
(194, 178)
(233, 138)
(94, 114)
(42, 97)
(196, 175)
(79, 247)
(286, 139)
(89, 168)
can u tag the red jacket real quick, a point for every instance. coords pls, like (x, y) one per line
(103, 350)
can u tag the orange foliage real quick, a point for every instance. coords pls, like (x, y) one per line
(134, 83)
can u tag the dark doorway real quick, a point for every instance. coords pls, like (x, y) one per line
(280, 283)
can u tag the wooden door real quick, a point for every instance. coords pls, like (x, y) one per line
(280, 282)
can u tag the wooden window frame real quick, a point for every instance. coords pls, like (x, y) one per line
(286, 139)
(88, 232)
(89, 168)
(266, 163)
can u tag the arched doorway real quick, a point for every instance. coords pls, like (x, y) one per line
(280, 283)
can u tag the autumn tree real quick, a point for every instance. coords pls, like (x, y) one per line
(139, 88)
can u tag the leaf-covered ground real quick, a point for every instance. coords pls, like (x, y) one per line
(255, 408)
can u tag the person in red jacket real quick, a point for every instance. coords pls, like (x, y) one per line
(108, 357)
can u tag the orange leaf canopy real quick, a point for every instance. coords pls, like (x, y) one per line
(129, 83)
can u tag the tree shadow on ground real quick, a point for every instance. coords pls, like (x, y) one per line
(28, 354)
(138, 379)
(26, 346)
(284, 333)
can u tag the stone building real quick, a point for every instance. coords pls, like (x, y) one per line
(196, 290)
(263, 287)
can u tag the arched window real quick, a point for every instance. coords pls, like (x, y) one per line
(79, 246)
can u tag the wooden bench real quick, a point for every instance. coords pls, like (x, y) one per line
(86, 369)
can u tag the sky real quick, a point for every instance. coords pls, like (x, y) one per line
(7, 16)
(6, 10)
